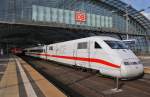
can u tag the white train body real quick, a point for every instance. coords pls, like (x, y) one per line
(106, 54)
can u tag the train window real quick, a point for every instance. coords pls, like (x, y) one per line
(97, 46)
(116, 44)
(51, 48)
(82, 45)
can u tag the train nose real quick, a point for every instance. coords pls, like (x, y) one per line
(132, 70)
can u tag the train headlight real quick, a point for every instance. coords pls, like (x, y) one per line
(126, 63)
(132, 63)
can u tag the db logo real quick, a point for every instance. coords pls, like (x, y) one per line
(80, 16)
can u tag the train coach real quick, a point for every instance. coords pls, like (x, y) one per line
(108, 55)
(16, 51)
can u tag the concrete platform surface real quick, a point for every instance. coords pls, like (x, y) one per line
(19, 79)
(3, 64)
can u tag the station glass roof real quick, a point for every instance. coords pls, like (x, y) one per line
(145, 22)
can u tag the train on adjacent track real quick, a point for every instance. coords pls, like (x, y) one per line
(110, 56)
(16, 51)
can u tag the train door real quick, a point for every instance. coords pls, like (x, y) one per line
(82, 54)
(40, 51)
(96, 52)
(50, 52)
(46, 48)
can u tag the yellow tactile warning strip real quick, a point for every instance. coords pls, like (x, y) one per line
(48, 89)
(147, 70)
(9, 82)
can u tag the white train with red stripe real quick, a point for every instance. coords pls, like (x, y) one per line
(108, 55)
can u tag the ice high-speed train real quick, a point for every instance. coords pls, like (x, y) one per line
(108, 55)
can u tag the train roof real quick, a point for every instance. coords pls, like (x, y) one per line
(37, 47)
(98, 37)
(104, 37)
(86, 38)
(92, 37)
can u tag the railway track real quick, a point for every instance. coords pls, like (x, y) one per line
(77, 83)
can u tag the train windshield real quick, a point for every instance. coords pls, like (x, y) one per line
(116, 44)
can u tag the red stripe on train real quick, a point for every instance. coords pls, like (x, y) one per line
(83, 59)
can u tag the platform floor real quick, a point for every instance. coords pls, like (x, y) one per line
(3, 65)
(145, 60)
(19, 79)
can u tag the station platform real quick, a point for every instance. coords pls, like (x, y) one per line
(19, 79)
(147, 70)
(146, 62)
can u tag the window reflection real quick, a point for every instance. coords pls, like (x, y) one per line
(41, 13)
(47, 14)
